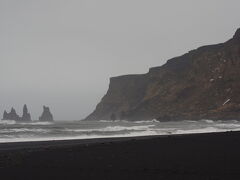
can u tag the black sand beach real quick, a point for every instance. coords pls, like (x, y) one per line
(195, 156)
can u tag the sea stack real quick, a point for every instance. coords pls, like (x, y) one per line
(46, 115)
(26, 115)
(14, 116)
(11, 116)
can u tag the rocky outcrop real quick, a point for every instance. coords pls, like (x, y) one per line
(26, 115)
(46, 115)
(201, 84)
(12, 115)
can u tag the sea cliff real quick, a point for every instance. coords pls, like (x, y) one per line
(201, 84)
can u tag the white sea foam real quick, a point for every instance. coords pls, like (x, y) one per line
(138, 122)
(131, 128)
(201, 130)
(32, 139)
(148, 121)
(115, 121)
(207, 121)
(113, 129)
(17, 130)
(149, 132)
(6, 122)
(36, 123)
(228, 126)
(11, 122)
(105, 121)
(190, 121)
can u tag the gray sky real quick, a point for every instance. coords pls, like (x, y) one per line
(61, 53)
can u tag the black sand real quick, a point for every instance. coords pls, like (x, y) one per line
(196, 156)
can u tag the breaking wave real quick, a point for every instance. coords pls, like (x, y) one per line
(10, 131)
(113, 129)
(207, 121)
(18, 130)
(6, 122)
(149, 121)
(196, 131)
(36, 123)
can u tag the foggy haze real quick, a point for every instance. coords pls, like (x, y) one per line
(62, 53)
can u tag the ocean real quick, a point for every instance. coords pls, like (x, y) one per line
(10, 131)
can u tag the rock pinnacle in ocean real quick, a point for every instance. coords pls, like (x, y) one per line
(46, 115)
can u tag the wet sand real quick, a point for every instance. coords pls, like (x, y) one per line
(193, 157)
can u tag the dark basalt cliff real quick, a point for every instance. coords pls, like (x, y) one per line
(202, 84)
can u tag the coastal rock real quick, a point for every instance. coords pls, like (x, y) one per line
(26, 115)
(46, 115)
(14, 116)
(11, 116)
(201, 84)
(5, 115)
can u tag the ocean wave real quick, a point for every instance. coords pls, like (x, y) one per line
(147, 121)
(207, 121)
(190, 121)
(113, 129)
(19, 130)
(12, 122)
(228, 126)
(131, 128)
(115, 121)
(36, 123)
(68, 130)
(126, 121)
(7, 122)
(91, 136)
(149, 132)
(197, 131)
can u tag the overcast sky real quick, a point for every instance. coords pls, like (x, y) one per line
(61, 53)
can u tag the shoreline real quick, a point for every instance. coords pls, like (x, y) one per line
(56, 139)
(184, 156)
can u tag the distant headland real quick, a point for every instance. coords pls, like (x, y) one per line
(26, 116)
(201, 84)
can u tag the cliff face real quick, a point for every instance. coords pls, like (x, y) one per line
(202, 84)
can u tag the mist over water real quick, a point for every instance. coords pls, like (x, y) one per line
(42, 131)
